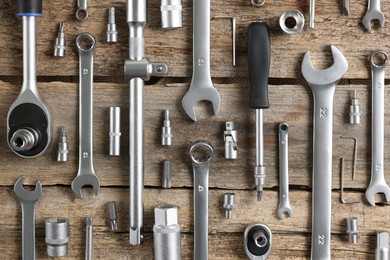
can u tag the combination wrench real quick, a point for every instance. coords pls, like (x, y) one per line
(201, 153)
(86, 173)
(28, 200)
(373, 13)
(82, 10)
(378, 183)
(29, 120)
(201, 87)
(323, 85)
(284, 202)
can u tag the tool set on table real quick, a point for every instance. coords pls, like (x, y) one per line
(30, 131)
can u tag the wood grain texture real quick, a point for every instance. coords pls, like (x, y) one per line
(175, 46)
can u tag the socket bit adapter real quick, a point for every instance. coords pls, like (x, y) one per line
(29, 121)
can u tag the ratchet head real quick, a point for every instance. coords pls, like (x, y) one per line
(374, 189)
(372, 15)
(82, 180)
(327, 76)
(27, 195)
(196, 94)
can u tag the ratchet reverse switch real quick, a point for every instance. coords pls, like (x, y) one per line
(259, 55)
(29, 121)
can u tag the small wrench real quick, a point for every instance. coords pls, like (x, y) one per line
(201, 153)
(201, 87)
(28, 199)
(378, 183)
(284, 202)
(86, 174)
(323, 85)
(373, 13)
(82, 10)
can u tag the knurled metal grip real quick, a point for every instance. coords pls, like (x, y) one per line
(144, 69)
(29, 8)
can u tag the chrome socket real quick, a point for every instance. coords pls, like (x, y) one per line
(171, 14)
(292, 22)
(57, 236)
(115, 131)
(352, 230)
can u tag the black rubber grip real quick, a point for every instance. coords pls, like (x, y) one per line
(29, 7)
(259, 56)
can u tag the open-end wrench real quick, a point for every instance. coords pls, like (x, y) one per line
(29, 120)
(323, 84)
(28, 199)
(201, 153)
(378, 183)
(373, 13)
(82, 10)
(201, 87)
(284, 202)
(86, 174)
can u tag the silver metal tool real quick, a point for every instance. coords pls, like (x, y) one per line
(323, 84)
(342, 184)
(352, 230)
(258, 3)
(378, 183)
(111, 206)
(284, 201)
(166, 233)
(292, 22)
(346, 7)
(201, 153)
(86, 174)
(115, 131)
(28, 200)
(29, 120)
(57, 236)
(354, 110)
(166, 136)
(112, 32)
(63, 152)
(312, 10)
(82, 10)
(230, 138)
(60, 45)
(233, 35)
(257, 241)
(137, 69)
(167, 175)
(354, 154)
(228, 204)
(382, 246)
(171, 14)
(258, 65)
(88, 239)
(373, 13)
(201, 87)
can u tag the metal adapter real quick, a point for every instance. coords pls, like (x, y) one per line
(382, 246)
(166, 136)
(57, 236)
(257, 241)
(354, 110)
(228, 204)
(230, 138)
(171, 14)
(115, 131)
(166, 233)
(112, 33)
(352, 230)
(60, 47)
(63, 151)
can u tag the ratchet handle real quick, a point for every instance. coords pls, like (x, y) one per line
(259, 56)
(29, 8)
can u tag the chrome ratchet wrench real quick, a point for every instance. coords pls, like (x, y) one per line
(378, 183)
(201, 153)
(29, 121)
(86, 173)
(284, 202)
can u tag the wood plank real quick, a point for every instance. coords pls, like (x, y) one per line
(162, 45)
(291, 235)
(231, 174)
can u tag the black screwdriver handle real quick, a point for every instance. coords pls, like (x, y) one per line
(29, 8)
(259, 56)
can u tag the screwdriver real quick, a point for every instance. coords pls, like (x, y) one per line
(259, 56)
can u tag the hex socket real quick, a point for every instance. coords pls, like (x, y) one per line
(57, 236)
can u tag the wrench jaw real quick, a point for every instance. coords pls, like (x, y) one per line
(374, 189)
(27, 195)
(85, 180)
(372, 16)
(194, 96)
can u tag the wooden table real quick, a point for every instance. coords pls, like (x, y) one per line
(291, 101)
